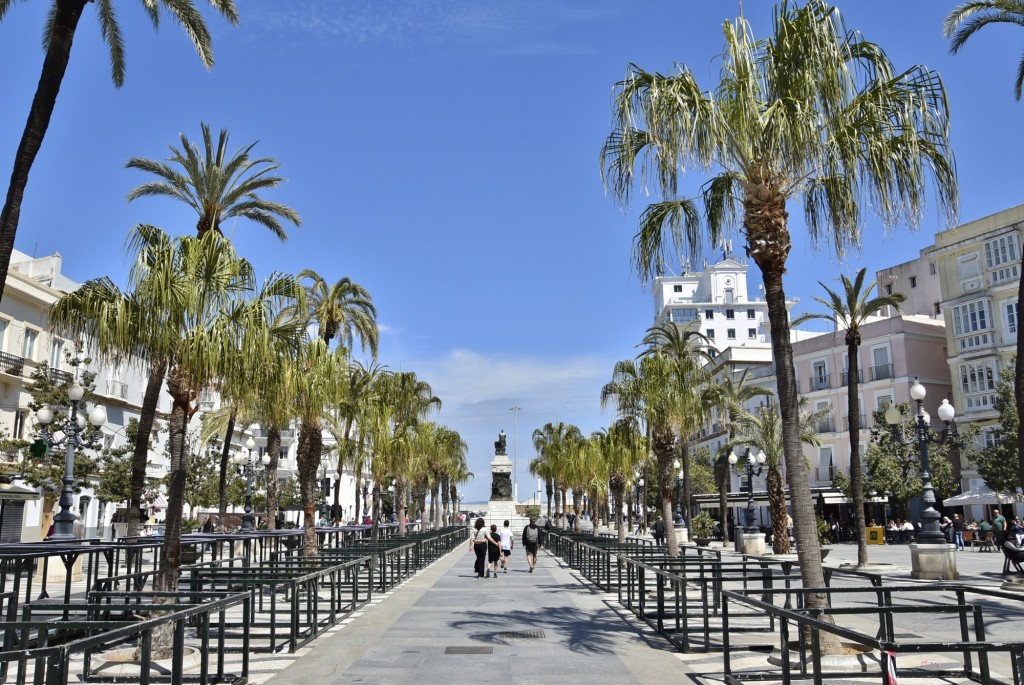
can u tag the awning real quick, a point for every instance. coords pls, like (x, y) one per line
(159, 503)
(17, 493)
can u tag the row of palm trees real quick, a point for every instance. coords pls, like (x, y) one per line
(277, 351)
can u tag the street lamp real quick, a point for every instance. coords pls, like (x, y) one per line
(678, 513)
(930, 532)
(248, 465)
(515, 451)
(641, 521)
(72, 427)
(750, 458)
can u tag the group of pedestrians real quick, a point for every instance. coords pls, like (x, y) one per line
(493, 548)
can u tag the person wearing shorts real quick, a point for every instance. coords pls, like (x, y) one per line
(531, 539)
(506, 545)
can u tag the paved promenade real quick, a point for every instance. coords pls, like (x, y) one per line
(538, 628)
(446, 626)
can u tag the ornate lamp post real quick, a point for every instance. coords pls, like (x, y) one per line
(750, 459)
(248, 465)
(73, 429)
(515, 451)
(677, 515)
(930, 532)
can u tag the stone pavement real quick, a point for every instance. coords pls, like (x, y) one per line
(447, 626)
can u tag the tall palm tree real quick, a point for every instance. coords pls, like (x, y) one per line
(364, 386)
(344, 310)
(61, 25)
(624, 450)
(849, 310)
(540, 467)
(814, 112)
(553, 443)
(962, 23)
(730, 395)
(762, 430)
(217, 187)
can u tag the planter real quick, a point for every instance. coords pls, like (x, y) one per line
(856, 658)
(121, 664)
(824, 553)
(702, 542)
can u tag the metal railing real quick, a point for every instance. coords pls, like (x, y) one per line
(117, 388)
(881, 372)
(819, 383)
(12, 364)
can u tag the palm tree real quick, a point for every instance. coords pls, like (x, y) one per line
(763, 431)
(364, 386)
(731, 396)
(553, 443)
(962, 23)
(216, 186)
(344, 309)
(624, 450)
(61, 25)
(814, 112)
(850, 310)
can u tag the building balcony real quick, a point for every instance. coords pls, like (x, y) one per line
(881, 372)
(58, 377)
(10, 455)
(863, 422)
(819, 383)
(845, 377)
(985, 340)
(117, 389)
(824, 474)
(826, 426)
(12, 364)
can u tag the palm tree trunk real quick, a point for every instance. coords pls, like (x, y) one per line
(222, 487)
(804, 521)
(58, 52)
(140, 455)
(684, 459)
(308, 460)
(274, 452)
(777, 508)
(856, 473)
(722, 477)
(400, 497)
(549, 489)
(662, 444)
(375, 513)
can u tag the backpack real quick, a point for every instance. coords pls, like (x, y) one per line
(531, 534)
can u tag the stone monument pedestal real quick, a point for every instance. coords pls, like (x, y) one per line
(749, 543)
(501, 505)
(933, 562)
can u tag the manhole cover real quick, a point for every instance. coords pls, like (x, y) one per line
(468, 650)
(522, 635)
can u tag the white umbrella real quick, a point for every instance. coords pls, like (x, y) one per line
(982, 495)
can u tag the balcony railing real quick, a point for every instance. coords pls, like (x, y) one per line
(286, 433)
(826, 426)
(863, 422)
(58, 377)
(117, 389)
(845, 376)
(11, 364)
(10, 454)
(820, 383)
(881, 371)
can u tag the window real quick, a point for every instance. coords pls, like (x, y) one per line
(677, 288)
(20, 418)
(883, 401)
(1002, 258)
(938, 309)
(709, 314)
(751, 314)
(684, 315)
(971, 325)
(913, 281)
(751, 333)
(970, 267)
(888, 289)
(819, 375)
(825, 468)
(931, 268)
(730, 314)
(978, 384)
(730, 296)
(56, 353)
(990, 438)
(1010, 310)
(29, 349)
(3, 332)
(731, 334)
(710, 333)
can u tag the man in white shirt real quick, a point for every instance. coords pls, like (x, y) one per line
(506, 545)
(908, 532)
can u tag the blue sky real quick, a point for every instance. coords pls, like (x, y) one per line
(444, 154)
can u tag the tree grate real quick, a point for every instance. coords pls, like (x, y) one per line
(469, 650)
(521, 635)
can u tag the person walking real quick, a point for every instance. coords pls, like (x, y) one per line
(659, 532)
(478, 544)
(958, 532)
(506, 545)
(493, 551)
(531, 538)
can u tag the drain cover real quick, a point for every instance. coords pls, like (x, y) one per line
(522, 635)
(468, 650)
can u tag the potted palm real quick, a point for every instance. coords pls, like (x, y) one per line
(702, 526)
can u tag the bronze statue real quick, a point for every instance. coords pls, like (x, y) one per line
(499, 446)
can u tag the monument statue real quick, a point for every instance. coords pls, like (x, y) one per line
(501, 472)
